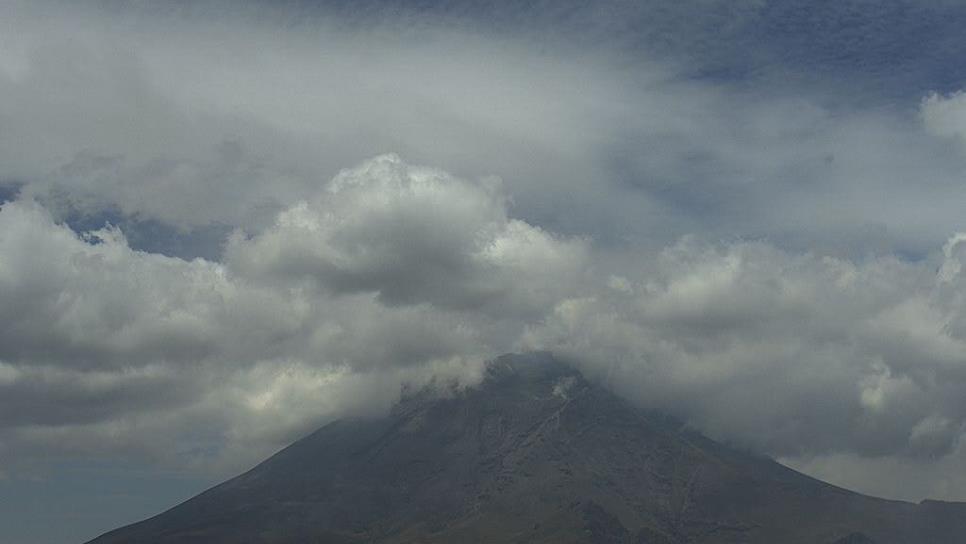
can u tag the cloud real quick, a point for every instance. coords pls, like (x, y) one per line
(391, 274)
(156, 119)
(394, 274)
(703, 245)
(898, 477)
(193, 124)
(414, 235)
(91, 301)
(944, 115)
(781, 352)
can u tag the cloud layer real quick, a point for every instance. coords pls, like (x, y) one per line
(391, 274)
(413, 235)
(395, 274)
(794, 353)
(157, 119)
(780, 271)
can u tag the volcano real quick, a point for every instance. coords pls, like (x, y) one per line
(535, 454)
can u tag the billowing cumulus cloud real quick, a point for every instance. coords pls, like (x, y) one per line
(787, 353)
(414, 235)
(395, 274)
(403, 198)
(392, 274)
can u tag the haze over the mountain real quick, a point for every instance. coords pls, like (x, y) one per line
(535, 454)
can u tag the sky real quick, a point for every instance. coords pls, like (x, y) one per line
(224, 224)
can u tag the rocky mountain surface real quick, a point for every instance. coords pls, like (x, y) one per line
(536, 454)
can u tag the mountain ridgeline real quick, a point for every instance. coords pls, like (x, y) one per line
(535, 454)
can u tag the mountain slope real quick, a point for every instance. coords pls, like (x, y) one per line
(535, 454)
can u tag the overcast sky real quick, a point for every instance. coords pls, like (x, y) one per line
(226, 223)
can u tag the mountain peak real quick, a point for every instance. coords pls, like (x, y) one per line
(531, 368)
(534, 454)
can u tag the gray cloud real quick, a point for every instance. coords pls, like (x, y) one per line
(853, 357)
(193, 125)
(414, 235)
(766, 266)
(124, 116)
(787, 353)
(109, 348)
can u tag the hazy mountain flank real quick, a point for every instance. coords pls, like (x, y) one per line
(536, 454)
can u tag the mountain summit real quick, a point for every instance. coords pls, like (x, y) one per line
(535, 454)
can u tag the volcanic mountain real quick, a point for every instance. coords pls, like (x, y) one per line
(535, 454)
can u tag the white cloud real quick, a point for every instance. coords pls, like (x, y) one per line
(800, 355)
(391, 274)
(945, 115)
(786, 353)
(194, 124)
(833, 335)
(414, 235)
(395, 273)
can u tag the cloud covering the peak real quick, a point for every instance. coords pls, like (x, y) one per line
(787, 353)
(414, 235)
(392, 274)
(222, 228)
(396, 274)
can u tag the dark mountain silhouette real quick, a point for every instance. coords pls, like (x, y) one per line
(536, 454)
